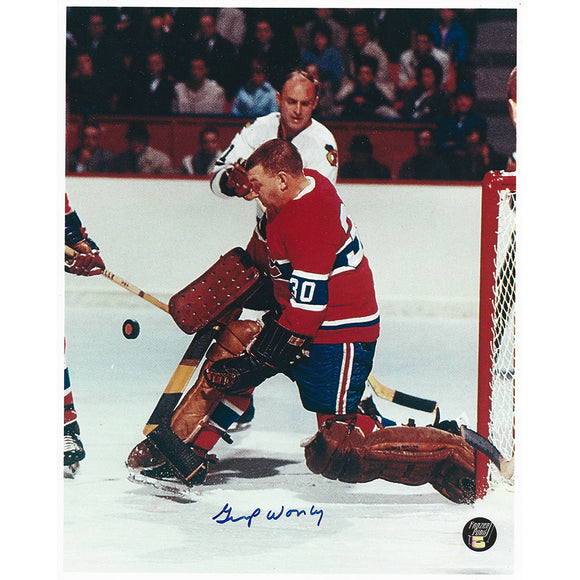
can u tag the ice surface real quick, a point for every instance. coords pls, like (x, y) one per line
(111, 525)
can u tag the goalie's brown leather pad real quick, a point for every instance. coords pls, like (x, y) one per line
(199, 402)
(224, 286)
(407, 455)
(201, 399)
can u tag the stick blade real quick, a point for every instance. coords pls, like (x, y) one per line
(485, 446)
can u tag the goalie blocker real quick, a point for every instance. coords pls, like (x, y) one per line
(226, 286)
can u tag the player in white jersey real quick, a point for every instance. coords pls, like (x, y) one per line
(297, 101)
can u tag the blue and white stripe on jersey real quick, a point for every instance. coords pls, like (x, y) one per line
(349, 256)
(357, 321)
(309, 291)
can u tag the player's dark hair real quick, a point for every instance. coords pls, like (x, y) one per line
(276, 155)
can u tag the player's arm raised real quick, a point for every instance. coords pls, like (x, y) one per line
(222, 183)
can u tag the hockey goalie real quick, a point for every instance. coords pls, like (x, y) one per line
(320, 330)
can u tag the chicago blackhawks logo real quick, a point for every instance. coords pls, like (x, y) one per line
(331, 155)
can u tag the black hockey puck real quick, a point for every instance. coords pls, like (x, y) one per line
(130, 329)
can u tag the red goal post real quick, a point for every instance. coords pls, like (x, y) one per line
(496, 358)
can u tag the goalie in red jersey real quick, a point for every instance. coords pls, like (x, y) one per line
(322, 335)
(323, 284)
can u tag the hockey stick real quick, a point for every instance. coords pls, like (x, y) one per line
(178, 454)
(483, 445)
(181, 376)
(124, 284)
(400, 398)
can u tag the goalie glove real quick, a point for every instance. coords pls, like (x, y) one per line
(235, 181)
(274, 350)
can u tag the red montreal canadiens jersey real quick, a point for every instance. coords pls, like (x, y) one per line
(322, 279)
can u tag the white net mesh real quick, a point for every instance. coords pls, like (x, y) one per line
(502, 408)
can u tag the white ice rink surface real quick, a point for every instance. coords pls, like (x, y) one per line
(111, 525)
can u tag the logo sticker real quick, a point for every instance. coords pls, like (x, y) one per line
(479, 534)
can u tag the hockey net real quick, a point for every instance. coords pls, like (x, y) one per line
(496, 372)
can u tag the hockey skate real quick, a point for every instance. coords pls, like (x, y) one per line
(74, 451)
(245, 419)
(147, 466)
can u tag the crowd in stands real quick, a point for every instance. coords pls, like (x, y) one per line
(372, 65)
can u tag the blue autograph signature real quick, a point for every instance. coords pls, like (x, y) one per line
(225, 515)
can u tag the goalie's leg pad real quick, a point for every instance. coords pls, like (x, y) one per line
(193, 420)
(407, 455)
(200, 401)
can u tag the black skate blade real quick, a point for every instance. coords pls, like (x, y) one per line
(71, 470)
(169, 488)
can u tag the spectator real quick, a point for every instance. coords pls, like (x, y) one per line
(323, 16)
(361, 44)
(395, 26)
(89, 155)
(463, 119)
(279, 52)
(231, 24)
(125, 84)
(426, 102)
(512, 94)
(87, 91)
(155, 90)
(199, 94)
(140, 157)
(101, 45)
(364, 100)
(476, 159)
(451, 37)
(422, 47)
(362, 164)
(220, 55)
(427, 163)
(326, 106)
(322, 52)
(257, 97)
(161, 37)
(127, 25)
(202, 163)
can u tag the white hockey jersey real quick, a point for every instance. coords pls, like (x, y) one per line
(316, 145)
